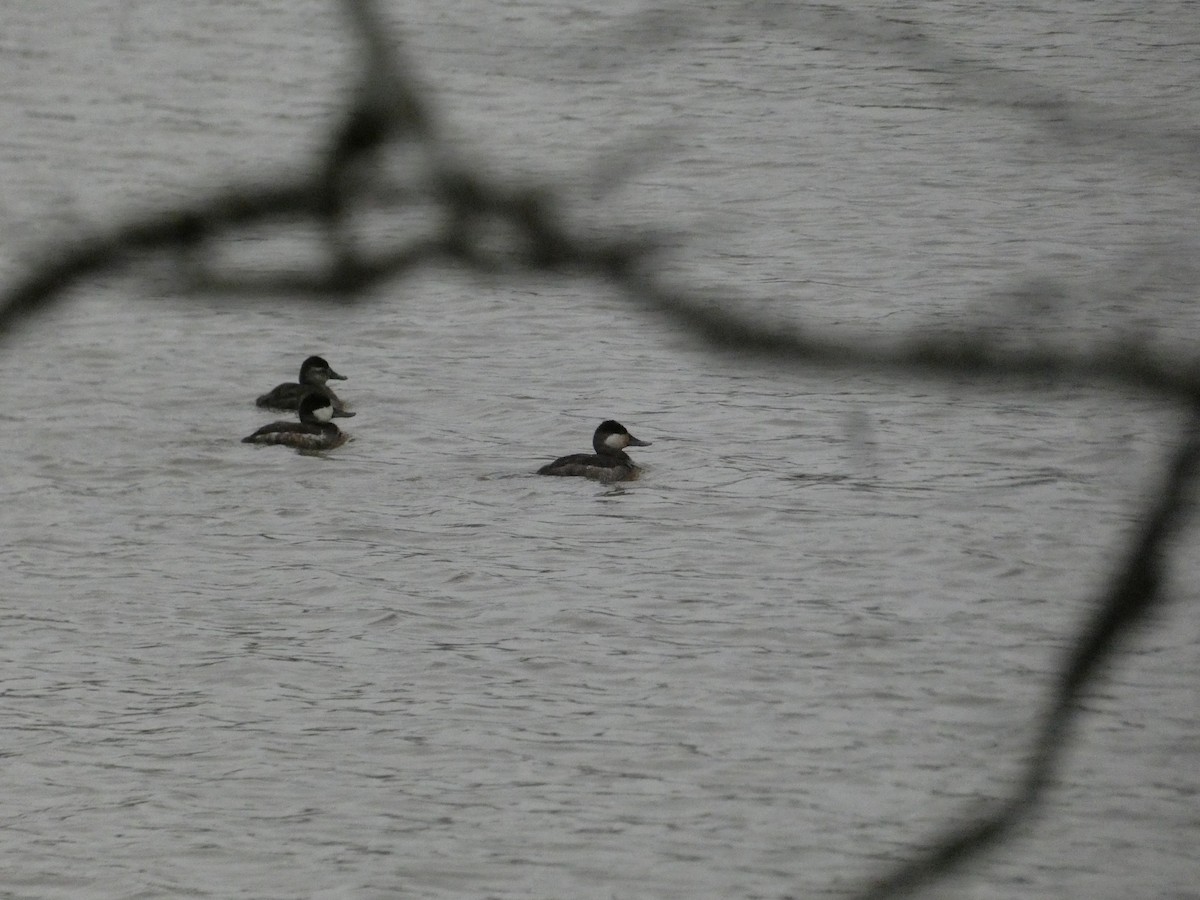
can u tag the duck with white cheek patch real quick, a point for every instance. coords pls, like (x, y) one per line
(314, 431)
(610, 462)
(314, 373)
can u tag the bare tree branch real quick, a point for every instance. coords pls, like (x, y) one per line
(465, 209)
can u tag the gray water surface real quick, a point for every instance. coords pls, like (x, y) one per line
(819, 626)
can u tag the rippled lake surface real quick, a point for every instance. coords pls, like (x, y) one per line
(823, 622)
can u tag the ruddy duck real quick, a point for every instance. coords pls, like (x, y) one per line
(609, 463)
(314, 372)
(314, 431)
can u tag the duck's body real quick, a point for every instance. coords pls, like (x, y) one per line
(314, 373)
(610, 462)
(314, 431)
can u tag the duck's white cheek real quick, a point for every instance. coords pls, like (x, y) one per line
(615, 441)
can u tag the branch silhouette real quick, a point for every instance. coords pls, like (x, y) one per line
(1135, 592)
(466, 209)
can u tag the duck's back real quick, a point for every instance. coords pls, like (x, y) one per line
(301, 435)
(287, 397)
(284, 396)
(589, 465)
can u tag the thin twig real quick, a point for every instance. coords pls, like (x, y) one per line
(1134, 593)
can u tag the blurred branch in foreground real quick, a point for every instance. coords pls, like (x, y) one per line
(470, 221)
(1133, 594)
